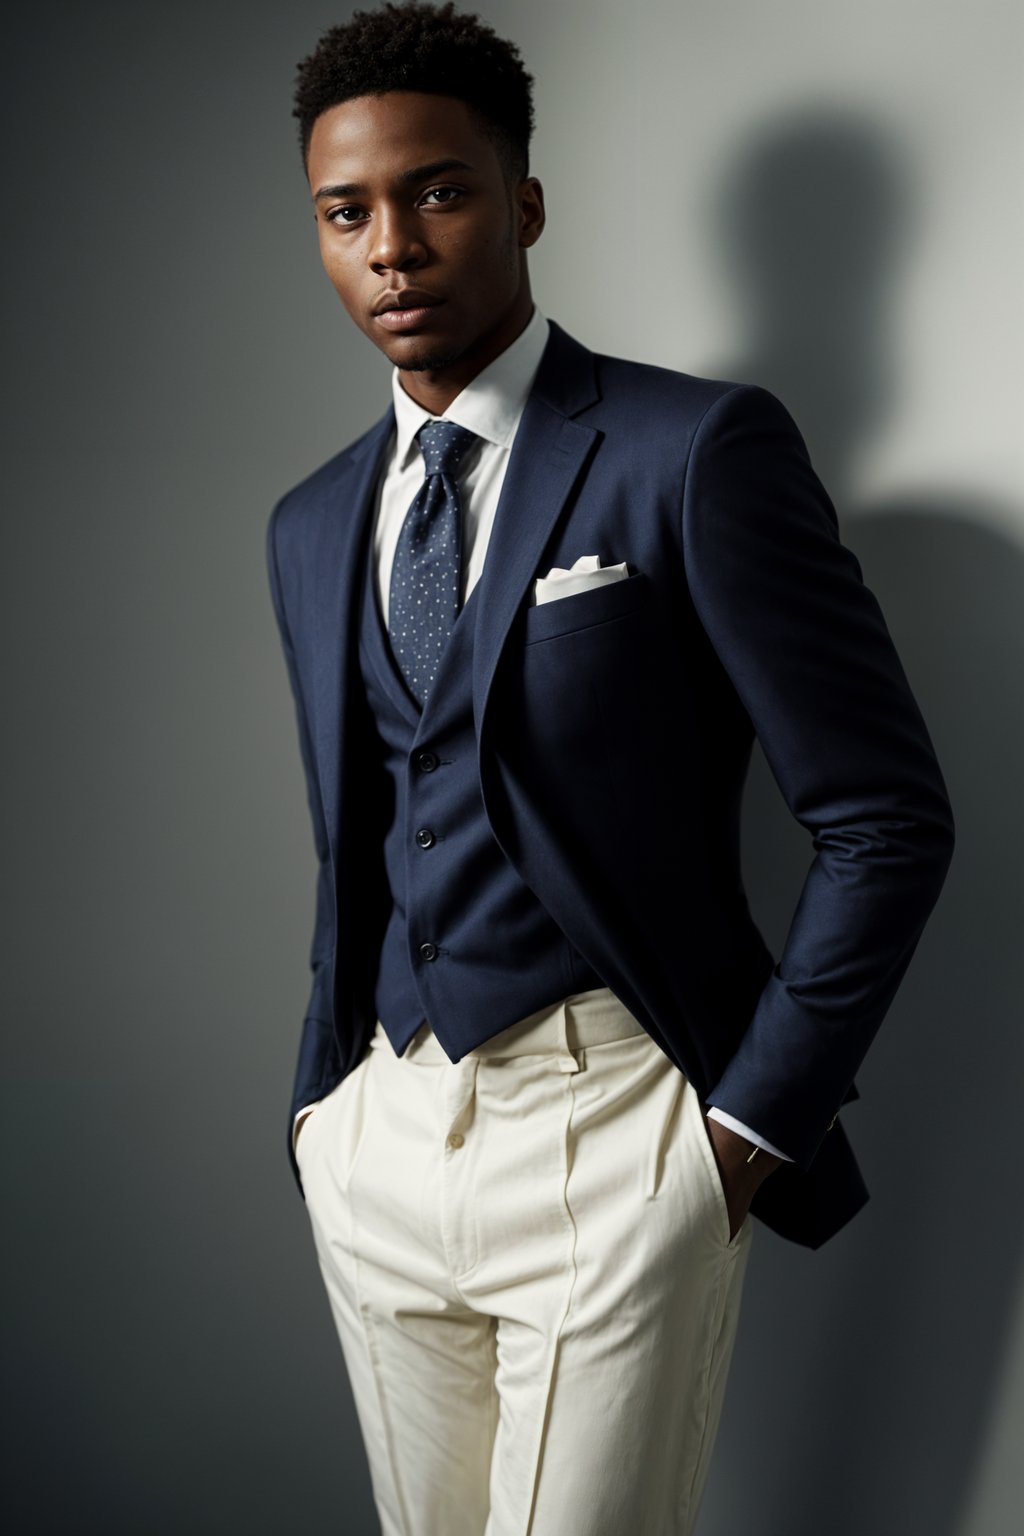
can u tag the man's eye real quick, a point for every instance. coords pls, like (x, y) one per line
(444, 194)
(340, 215)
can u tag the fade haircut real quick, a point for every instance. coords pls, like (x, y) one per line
(422, 47)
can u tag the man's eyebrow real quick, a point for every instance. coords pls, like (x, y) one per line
(418, 173)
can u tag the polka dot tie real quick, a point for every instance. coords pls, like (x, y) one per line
(424, 596)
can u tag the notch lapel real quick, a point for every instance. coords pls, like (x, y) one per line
(341, 552)
(548, 455)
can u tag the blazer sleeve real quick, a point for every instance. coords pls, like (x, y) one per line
(318, 1066)
(807, 650)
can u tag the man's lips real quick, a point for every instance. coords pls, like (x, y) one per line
(405, 311)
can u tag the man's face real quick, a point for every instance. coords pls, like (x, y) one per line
(413, 208)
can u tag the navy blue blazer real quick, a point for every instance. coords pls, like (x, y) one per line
(615, 728)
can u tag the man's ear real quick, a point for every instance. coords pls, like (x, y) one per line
(529, 198)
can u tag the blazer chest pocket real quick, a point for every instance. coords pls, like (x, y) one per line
(585, 722)
(591, 664)
(594, 605)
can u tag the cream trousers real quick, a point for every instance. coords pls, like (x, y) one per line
(528, 1262)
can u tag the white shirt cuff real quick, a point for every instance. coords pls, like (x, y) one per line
(733, 1124)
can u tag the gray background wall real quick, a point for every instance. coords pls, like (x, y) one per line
(821, 197)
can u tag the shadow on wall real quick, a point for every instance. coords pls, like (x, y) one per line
(866, 1374)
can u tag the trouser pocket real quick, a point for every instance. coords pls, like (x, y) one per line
(706, 1156)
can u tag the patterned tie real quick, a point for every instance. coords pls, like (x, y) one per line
(424, 596)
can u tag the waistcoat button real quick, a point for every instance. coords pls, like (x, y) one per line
(425, 837)
(428, 951)
(426, 762)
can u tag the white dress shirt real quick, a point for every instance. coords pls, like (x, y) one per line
(491, 406)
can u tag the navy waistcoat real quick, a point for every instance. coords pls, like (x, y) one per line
(468, 947)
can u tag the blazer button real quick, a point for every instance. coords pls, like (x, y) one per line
(425, 837)
(426, 762)
(428, 951)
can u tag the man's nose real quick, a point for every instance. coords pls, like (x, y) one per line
(397, 244)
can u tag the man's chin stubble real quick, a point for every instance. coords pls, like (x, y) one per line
(430, 362)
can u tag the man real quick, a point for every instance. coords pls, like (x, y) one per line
(532, 620)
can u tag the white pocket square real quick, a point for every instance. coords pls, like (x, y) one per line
(586, 572)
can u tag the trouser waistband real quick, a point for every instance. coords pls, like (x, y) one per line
(580, 1020)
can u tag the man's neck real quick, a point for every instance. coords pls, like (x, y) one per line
(434, 391)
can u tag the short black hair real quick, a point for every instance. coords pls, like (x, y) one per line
(421, 47)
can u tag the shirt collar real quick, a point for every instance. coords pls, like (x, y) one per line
(490, 405)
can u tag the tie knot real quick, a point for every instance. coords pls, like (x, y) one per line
(443, 444)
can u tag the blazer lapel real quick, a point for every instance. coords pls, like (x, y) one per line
(342, 550)
(547, 457)
(548, 454)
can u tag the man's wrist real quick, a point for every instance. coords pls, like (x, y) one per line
(301, 1117)
(743, 1167)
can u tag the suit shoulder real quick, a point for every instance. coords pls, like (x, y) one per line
(662, 394)
(666, 413)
